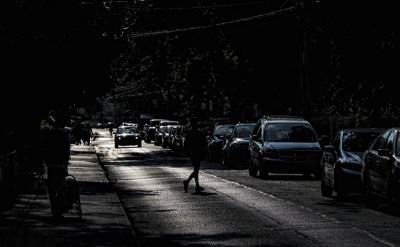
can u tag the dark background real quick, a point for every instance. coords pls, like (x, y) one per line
(322, 60)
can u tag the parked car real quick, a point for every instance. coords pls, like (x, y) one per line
(176, 138)
(236, 146)
(341, 162)
(216, 140)
(127, 135)
(284, 144)
(150, 129)
(380, 172)
(167, 136)
(160, 130)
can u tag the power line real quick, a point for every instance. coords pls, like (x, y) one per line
(222, 24)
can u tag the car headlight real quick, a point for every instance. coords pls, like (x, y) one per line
(119, 138)
(136, 137)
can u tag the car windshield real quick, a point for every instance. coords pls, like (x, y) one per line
(162, 129)
(221, 130)
(289, 132)
(357, 141)
(127, 130)
(243, 131)
(397, 151)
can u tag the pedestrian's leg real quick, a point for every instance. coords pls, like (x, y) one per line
(51, 189)
(196, 175)
(55, 177)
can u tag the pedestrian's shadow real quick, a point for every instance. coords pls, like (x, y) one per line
(203, 193)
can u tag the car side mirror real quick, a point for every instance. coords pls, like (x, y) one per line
(383, 152)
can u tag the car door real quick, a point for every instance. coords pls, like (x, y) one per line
(373, 161)
(330, 157)
(255, 143)
(384, 163)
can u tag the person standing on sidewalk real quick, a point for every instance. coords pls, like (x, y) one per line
(57, 144)
(195, 142)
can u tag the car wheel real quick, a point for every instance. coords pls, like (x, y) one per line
(140, 144)
(326, 190)
(116, 144)
(264, 173)
(252, 169)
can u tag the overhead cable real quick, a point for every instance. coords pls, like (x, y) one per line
(222, 24)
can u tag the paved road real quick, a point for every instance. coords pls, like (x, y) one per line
(235, 209)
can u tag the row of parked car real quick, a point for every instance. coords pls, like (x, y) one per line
(359, 160)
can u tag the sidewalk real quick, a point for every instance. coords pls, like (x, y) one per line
(103, 223)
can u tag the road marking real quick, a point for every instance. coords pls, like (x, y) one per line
(336, 221)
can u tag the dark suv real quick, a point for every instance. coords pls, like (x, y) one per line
(284, 144)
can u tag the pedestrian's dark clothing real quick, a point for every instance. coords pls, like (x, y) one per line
(195, 142)
(56, 156)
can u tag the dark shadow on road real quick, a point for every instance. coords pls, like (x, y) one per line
(288, 177)
(199, 240)
(204, 193)
(352, 204)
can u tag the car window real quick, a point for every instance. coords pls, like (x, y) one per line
(390, 141)
(289, 132)
(221, 130)
(381, 142)
(243, 131)
(358, 141)
(397, 151)
(127, 130)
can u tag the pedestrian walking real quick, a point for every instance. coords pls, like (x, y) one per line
(56, 148)
(195, 142)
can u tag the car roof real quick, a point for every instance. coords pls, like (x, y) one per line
(284, 119)
(363, 129)
(158, 119)
(246, 124)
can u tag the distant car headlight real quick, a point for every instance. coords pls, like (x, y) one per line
(119, 138)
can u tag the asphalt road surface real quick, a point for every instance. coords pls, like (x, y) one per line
(234, 209)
